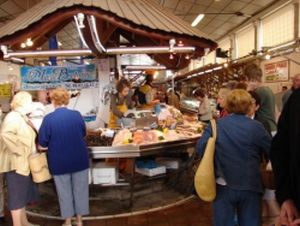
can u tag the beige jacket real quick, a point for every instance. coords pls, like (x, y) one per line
(16, 144)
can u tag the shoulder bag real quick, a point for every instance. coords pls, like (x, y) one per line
(205, 181)
(38, 162)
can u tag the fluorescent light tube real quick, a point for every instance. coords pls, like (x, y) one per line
(197, 20)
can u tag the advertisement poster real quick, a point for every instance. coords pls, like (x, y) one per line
(69, 77)
(277, 71)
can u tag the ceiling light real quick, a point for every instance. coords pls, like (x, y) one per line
(172, 43)
(267, 56)
(209, 71)
(29, 42)
(145, 67)
(23, 45)
(80, 17)
(197, 20)
(217, 68)
(17, 60)
(180, 43)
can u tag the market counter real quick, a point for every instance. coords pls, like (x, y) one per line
(134, 151)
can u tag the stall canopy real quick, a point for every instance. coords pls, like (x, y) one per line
(141, 22)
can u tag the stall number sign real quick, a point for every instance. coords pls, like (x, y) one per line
(6, 90)
(70, 77)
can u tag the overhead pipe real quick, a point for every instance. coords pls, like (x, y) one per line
(47, 53)
(88, 52)
(95, 35)
(149, 50)
(80, 32)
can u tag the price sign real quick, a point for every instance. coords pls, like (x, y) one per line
(6, 90)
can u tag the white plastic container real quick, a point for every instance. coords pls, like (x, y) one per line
(169, 163)
(151, 172)
(104, 173)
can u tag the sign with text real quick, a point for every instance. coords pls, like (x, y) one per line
(70, 77)
(277, 71)
(5, 90)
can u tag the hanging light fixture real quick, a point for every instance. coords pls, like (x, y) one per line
(172, 43)
(29, 42)
(80, 18)
(23, 45)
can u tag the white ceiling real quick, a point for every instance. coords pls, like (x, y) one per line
(216, 26)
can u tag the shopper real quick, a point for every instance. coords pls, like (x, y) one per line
(240, 143)
(18, 143)
(267, 106)
(221, 101)
(63, 132)
(255, 107)
(204, 111)
(120, 103)
(296, 85)
(285, 157)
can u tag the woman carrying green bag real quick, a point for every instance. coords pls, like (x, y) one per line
(239, 145)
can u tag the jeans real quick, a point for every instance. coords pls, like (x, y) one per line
(228, 202)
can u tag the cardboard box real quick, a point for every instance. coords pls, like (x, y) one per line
(151, 172)
(104, 173)
(169, 163)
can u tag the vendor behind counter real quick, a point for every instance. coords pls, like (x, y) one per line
(120, 103)
(145, 94)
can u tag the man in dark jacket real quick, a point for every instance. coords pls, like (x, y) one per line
(285, 157)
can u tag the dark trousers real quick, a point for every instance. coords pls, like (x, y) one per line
(246, 204)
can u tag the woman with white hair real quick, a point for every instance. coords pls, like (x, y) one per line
(18, 143)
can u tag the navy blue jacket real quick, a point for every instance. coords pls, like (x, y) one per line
(240, 144)
(63, 132)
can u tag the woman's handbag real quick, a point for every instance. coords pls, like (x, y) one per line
(38, 165)
(205, 181)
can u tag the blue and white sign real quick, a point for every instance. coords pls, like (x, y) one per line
(70, 77)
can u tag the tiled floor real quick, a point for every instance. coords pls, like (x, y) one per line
(192, 213)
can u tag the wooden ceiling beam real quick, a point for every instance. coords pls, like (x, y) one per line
(59, 16)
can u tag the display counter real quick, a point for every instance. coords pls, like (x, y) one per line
(134, 151)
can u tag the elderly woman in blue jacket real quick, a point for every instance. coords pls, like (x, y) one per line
(240, 143)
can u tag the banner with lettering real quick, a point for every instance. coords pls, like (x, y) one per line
(50, 77)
